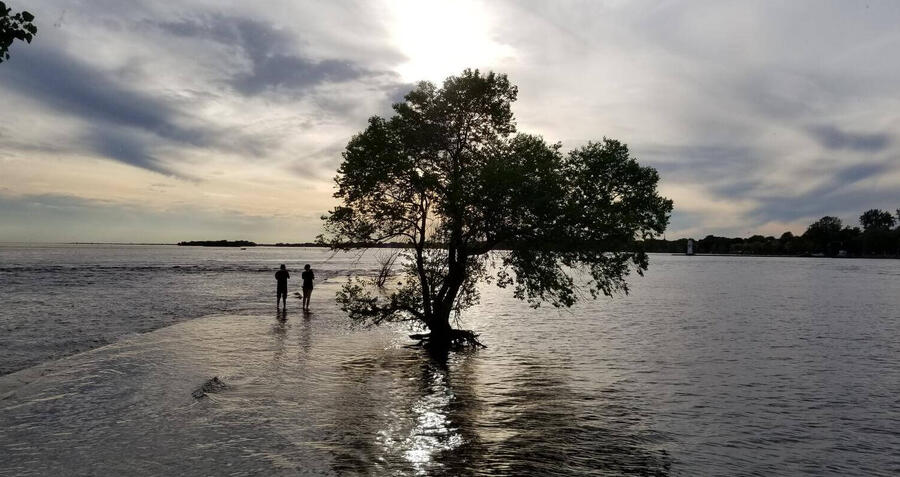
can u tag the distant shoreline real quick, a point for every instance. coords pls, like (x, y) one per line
(316, 245)
(749, 255)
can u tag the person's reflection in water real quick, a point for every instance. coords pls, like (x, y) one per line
(304, 334)
(279, 332)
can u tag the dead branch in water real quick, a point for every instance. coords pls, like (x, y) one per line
(386, 261)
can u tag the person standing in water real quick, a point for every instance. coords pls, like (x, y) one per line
(308, 277)
(281, 276)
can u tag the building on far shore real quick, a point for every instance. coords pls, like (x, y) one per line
(690, 247)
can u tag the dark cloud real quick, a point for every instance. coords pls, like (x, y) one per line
(835, 139)
(124, 123)
(835, 196)
(726, 170)
(268, 49)
(68, 85)
(283, 71)
(845, 203)
(730, 172)
(125, 146)
(858, 172)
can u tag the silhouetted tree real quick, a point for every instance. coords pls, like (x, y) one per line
(877, 237)
(848, 240)
(448, 175)
(824, 232)
(17, 26)
(714, 244)
(875, 219)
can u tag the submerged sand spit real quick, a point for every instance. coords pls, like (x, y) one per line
(128, 409)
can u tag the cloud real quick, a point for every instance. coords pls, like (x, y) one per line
(282, 71)
(122, 123)
(69, 85)
(125, 146)
(272, 66)
(845, 203)
(833, 138)
(858, 172)
(756, 115)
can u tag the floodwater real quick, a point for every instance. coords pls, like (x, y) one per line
(712, 366)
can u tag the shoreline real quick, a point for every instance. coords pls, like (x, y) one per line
(869, 257)
(390, 246)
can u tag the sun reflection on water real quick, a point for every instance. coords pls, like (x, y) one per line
(432, 432)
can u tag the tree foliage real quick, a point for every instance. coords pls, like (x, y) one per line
(823, 231)
(16, 26)
(448, 175)
(876, 219)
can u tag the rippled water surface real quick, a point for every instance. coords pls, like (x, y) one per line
(712, 366)
(60, 300)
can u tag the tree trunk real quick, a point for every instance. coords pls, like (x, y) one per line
(439, 326)
(441, 335)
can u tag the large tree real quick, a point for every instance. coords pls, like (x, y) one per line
(877, 237)
(876, 220)
(823, 232)
(16, 26)
(449, 176)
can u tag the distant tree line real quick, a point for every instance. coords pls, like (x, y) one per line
(877, 235)
(218, 243)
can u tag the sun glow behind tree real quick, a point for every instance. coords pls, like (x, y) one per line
(440, 38)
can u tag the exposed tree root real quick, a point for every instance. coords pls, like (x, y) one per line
(456, 339)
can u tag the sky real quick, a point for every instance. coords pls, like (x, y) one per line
(160, 121)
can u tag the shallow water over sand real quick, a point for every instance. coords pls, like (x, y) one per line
(713, 366)
(60, 300)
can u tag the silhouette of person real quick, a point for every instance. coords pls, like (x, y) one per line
(308, 277)
(281, 276)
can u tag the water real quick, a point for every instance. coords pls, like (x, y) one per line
(712, 366)
(59, 300)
